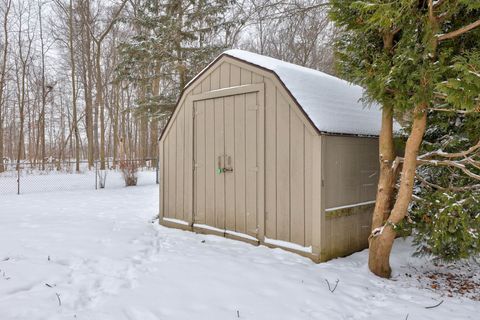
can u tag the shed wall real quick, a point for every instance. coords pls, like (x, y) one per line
(350, 179)
(291, 156)
(351, 170)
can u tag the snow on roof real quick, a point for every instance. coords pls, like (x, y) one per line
(332, 104)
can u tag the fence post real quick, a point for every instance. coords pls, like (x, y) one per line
(18, 179)
(96, 174)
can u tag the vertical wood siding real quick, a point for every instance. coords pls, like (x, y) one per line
(291, 204)
(351, 176)
(351, 173)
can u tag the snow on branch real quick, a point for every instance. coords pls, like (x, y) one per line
(378, 231)
(455, 164)
(449, 188)
(438, 3)
(451, 155)
(455, 110)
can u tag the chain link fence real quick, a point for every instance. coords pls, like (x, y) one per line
(27, 177)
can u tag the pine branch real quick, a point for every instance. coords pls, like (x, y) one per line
(459, 32)
(450, 163)
(460, 164)
(438, 4)
(449, 188)
(454, 110)
(451, 155)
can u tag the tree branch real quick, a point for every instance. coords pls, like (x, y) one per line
(438, 4)
(450, 163)
(449, 188)
(459, 32)
(451, 155)
(453, 110)
(110, 25)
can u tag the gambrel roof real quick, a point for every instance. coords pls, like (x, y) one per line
(333, 105)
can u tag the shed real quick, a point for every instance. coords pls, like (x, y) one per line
(271, 153)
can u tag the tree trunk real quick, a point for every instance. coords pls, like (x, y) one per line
(2, 78)
(88, 83)
(99, 104)
(387, 174)
(386, 181)
(99, 101)
(116, 107)
(143, 130)
(381, 243)
(154, 138)
(74, 89)
(41, 123)
(154, 119)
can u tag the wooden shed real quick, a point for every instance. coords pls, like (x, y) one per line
(271, 153)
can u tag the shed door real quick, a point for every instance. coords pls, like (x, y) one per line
(226, 173)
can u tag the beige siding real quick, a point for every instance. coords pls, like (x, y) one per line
(283, 169)
(240, 165)
(270, 160)
(346, 230)
(351, 170)
(289, 195)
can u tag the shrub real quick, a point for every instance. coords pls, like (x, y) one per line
(130, 172)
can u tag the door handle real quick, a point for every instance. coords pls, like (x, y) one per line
(229, 163)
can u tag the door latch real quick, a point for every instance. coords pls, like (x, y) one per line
(222, 169)
(229, 167)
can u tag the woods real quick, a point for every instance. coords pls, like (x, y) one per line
(94, 80)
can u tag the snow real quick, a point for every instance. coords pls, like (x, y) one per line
(177, 221)
(350, 206)
(230, 232)
(289, 245)
(207, 227)
(240, 235)
(331, 103)
(106, 258)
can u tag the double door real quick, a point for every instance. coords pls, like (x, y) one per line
(226, 162)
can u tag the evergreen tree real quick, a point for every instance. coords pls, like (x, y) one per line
(173, 41)
(445, 214)
(412, 56)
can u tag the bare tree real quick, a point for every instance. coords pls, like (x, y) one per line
(299, 32)
(24, 52)
(99, 99)
(6, 5)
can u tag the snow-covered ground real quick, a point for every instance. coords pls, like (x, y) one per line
(97, 255)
